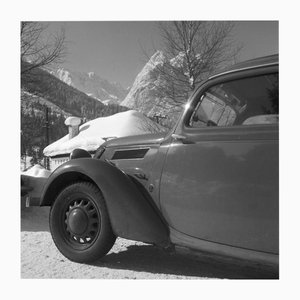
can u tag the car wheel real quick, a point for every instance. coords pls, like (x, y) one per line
(79, 223)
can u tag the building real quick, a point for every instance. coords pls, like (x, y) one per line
(90, 135)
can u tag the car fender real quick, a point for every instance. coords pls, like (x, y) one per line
(132, 214)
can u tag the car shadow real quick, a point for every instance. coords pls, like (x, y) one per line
(148, 258)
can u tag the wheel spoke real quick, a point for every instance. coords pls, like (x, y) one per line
(92, 214)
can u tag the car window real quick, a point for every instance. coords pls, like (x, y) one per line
(246, 101)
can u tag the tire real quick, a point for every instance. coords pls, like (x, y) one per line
(79, 223)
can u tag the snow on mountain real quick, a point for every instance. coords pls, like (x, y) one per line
(64, 76)
(92, 85)
(91, 134)
(178, 61)
(143, 95)
(110, 101)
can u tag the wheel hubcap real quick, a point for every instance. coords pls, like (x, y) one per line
(78, 221)
(82, 222)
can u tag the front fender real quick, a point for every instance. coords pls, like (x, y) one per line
(132, 214)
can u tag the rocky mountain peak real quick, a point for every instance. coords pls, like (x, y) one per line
(144, 96)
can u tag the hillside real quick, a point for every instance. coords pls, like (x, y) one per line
(33, 123)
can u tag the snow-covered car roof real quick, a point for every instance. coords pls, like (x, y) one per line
(93, 133)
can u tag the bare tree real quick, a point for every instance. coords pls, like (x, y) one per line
(192, 51)
(40, 48)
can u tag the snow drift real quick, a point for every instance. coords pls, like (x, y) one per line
(37, 171)
(32, 183)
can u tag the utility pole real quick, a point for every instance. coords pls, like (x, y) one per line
(47, 136)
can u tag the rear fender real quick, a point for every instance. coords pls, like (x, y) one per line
(132, 215)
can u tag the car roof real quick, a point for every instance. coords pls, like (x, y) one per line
(250, 64)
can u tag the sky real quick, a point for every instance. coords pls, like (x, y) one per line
(115, 50)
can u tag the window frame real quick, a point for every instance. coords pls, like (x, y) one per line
(234, 132)
(197, 100)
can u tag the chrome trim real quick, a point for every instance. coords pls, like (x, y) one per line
(243, 69)
(180, 239)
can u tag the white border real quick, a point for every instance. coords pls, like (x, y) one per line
(12, 12)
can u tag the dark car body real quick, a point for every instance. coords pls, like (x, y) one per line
(212, 188)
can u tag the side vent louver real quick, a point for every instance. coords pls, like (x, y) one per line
(130, 154)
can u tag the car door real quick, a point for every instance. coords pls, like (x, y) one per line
(220, 177)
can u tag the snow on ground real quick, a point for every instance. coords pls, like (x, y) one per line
(37, 171)
(91, 134)
(34, 178)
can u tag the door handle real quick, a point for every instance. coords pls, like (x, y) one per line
(182, 138)
(141, 176)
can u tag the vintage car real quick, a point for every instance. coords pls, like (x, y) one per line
(210, 184)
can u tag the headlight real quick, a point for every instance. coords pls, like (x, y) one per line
(79, 153)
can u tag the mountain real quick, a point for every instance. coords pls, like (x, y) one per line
(92, 85)
(144, 95)
(43, 84)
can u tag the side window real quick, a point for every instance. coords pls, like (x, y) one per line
(246, 101)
